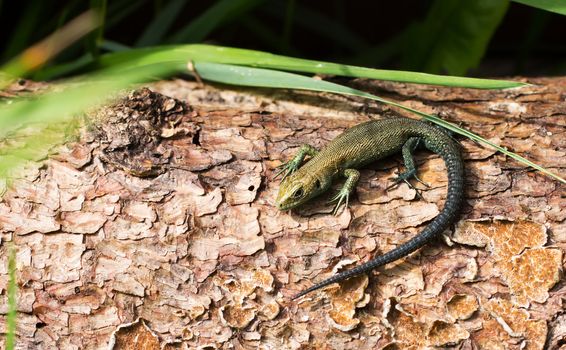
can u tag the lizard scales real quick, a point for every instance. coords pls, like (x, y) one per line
(363, 144)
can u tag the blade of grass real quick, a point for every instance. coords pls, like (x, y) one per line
(63, 69)
(285, 42)
(113, 46)
(454, 35)
(548, 5)
(263, 33)
(236, 75)
(24, 31)
(58, 107)
(221, 11)
(535, 28)
(153, 33)
(118, 10)
(12, 301)
(37, 55)
(228, 55)
(98, 7)
(78, 96)
(319, 23)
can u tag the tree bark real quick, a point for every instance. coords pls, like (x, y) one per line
(157, 229)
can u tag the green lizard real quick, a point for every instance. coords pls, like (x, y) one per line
(357, 147)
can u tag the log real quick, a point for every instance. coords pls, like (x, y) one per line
(156, 228)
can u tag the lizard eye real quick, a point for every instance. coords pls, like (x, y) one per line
(298, 193)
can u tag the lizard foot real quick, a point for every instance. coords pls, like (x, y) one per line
(343, 196)
(404, 177)
(287, 168)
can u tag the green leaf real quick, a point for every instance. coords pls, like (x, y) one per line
(113, 46)
(24, 31)
(155, 31)
(119, 10)
(245, 76)
(454, 36)
(97, 36)
(319, 23)
(57, 108)
(63, 69)
(556, 6)
(218, 13)
(219, 54)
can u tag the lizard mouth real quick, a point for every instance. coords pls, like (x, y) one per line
(288, 203)
(285, 206)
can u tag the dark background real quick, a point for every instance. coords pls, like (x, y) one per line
(528, 42)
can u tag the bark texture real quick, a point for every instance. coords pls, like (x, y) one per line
(156, 228)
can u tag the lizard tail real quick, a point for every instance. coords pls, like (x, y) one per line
(441, 143)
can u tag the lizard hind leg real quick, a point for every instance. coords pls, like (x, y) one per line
(343, 196)
(411, 169)
(294, 164)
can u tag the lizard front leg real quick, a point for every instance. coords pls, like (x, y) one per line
(352, 177)
(291, 166)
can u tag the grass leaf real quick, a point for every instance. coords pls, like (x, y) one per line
(155, 31)
(555, 6)
(454, 36)
(228, 55)
(319, 23)
(60, 106)
(223, 10)
(258, 77)
(133, 66)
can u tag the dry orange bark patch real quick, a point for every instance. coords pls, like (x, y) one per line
(528, 268)
(461, 306)
(345, 300)
(492, 335)
(444, 333)
(246, 297)
(135, 336)
(237, 315)
(517, 323)
(409, 333)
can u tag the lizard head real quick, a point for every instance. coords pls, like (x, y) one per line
(299, 188)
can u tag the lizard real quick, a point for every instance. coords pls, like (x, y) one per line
(357, 147)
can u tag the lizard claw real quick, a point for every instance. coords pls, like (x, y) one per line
(421, 181)
(340, 197)
(286, 169)
(403, 177)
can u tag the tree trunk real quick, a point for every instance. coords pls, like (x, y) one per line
(157, 228)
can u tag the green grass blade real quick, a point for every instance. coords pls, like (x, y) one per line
(58, 108)
(113, 46)
(454, 36)
(25, 29)
(153, 33)
(237, 75)
(227, 55)
(319, 23)
(264, 34)
(221, 11)
(288, 26)
(63, 69)
(37, 55)
(555, 6)
(119, 10)
(12, 301)
(99, 7)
